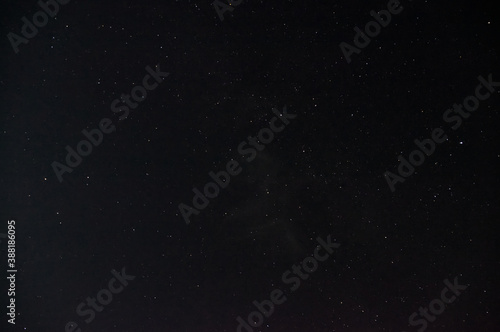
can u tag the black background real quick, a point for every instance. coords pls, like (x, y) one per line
(322, 175)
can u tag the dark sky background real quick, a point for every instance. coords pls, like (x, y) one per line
(322, 175)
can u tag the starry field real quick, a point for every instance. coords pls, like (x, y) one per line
(203, 166)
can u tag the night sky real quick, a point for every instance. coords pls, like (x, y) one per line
(303, 122)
